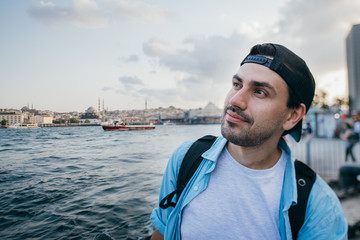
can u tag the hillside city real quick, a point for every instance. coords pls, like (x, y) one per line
(91, 116)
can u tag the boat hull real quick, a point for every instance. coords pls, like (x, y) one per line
(24, 126)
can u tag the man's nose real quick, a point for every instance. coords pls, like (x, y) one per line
(239, 99)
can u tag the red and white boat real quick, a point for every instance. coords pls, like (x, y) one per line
(127, 127)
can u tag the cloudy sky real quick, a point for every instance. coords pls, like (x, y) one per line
(65, 55)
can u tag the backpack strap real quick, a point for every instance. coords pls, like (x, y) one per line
(305, 178)
(188, 167)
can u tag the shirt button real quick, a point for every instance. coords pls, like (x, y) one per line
(196, 188)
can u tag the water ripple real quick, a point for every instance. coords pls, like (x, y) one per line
(83, 182)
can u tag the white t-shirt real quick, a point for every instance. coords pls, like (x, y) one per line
(238, 203)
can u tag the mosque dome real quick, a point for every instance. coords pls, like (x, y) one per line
(91, 110)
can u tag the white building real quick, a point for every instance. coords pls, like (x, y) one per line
(12, 117)
(39, 119)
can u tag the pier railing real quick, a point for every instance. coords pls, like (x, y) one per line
(325, 156)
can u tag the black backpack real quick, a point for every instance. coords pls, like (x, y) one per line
(354, 137)
(305, 178)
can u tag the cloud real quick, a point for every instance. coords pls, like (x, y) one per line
(186, 91)
(210, 57)
(139, 11)
(129, 59)
(166, 95)
(88, 14)
(129, 83)
(106, 89)
(317, 30)
(204, 70)
(130, 80)
(82, 13)
(314, 30)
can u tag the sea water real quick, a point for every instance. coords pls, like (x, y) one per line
(83, 182)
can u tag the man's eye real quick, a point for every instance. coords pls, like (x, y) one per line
(260, 92)
(236, 85)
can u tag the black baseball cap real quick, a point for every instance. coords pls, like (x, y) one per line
(291, 68)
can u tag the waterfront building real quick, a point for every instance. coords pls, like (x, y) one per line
(353, 66)
(39, 119)
(12, 118)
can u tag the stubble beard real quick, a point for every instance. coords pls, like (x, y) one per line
(247, 135)
(243, 137)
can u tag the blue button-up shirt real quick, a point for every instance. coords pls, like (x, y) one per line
(324, 218)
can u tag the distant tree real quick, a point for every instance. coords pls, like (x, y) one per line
(320, 99)
(87, 121)
(3, 122)
(342, 102)
(74, 120)
(59, 121)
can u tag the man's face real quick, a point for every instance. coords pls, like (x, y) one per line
(255, 107)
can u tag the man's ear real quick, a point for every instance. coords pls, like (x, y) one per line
(295, 115)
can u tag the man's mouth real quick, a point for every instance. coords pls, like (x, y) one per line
(236, 116)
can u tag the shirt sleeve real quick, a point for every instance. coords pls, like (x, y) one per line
(159, 216)
(324, 218)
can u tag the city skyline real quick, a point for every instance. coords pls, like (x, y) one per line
(62, 55)
(102, 107)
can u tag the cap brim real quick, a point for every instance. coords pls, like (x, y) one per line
(296, 131)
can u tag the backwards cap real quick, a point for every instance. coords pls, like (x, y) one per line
(292, 69)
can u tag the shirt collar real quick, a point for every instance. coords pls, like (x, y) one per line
(214, 152)
(289, 192)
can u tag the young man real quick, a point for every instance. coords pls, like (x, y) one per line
(245, 185)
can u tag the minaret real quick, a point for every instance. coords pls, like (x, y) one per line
(103, 112)
(99, 105)
(145, 104)
(103, 107)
